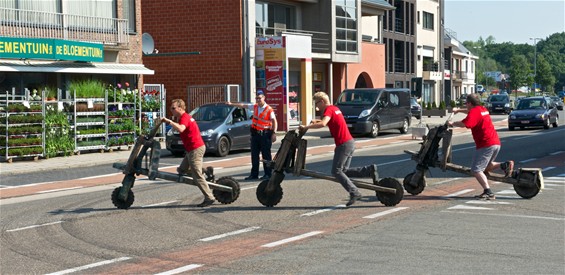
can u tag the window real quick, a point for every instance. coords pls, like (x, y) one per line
(128, 9)
(428, 20)
(271, 19)
(346, 25)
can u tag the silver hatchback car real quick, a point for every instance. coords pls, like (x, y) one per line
(223, 128)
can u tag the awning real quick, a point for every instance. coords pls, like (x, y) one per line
(72, 67)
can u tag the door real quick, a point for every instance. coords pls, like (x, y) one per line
(241, 128)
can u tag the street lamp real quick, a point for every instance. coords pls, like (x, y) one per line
(535, 60)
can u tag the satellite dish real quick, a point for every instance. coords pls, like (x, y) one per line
(147, 43)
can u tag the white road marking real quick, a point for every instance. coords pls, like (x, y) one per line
(57, 190)
(245, 230)
(84, 267)
(458, 193)
(33, 226)
(527, 160)
(100, 176)
(488, 202)
(547, 168)
(322, 210)
(181, 269)
(160, 203)
(506, 192)
(380, 214)
(292, 239)
(460, 206)
(247, 188)
(556, 153)
(507, 215)
(448, 180)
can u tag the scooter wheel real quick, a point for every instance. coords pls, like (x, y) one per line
(119, 203)
(414, 190)
(390, 199)
(527, 191)
(227, 197)
(266, 199)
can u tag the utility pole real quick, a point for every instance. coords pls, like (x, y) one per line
(535, 60)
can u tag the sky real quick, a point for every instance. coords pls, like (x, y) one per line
(513, 21)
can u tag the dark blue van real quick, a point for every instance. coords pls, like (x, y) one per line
(371, 110)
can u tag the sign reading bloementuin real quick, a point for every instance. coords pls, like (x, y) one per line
(270, 63)
(56, 49)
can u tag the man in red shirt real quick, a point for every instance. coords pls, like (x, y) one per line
(194, 146)
(487, 143)
(344, 146)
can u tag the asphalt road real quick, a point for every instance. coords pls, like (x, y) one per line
(441, 231)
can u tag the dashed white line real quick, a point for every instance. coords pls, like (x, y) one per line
(527, 160)
(460, 206)
(507, 215)
(556, 153)
(247, 188)
(547, 168)
(245, 230)
(33, 226)
(509, 191)
(84, 267)
(488, 202)
(160, 203)
(99, 176)
(458, 193)
(292, 239)
(322, 210)
(181, 269)
(57, 190)
(380, 214)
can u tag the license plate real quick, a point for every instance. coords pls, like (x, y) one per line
(498, 108)
(179, 142)
(525, 121)
(349, 125)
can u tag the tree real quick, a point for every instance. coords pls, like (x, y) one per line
(520, 72)
(544, 75)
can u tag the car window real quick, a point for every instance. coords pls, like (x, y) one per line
(531, 104)
(357, 97)
(210, 113)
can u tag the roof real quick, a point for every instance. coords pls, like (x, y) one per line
(12, 65)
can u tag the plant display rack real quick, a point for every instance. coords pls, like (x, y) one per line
(90, 124)
(121, 124)
(152, 106)
(21, 118)
(59, 126)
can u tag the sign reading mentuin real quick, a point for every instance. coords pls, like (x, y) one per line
(39, 48)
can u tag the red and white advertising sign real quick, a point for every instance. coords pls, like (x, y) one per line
(271, 70)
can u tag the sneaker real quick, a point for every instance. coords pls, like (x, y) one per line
(206, 202)
(508, 169)
(353, 198)
(486, 196)
(374, 173)
(265, 177)
(252, 178)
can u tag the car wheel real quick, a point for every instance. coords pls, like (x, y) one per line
(374, 130)
(404, 128)
(223, 147)
(546, 124)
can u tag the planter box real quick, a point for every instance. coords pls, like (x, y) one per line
(419, 131)
(435, 112)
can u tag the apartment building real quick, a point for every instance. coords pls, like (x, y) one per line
(460, 67)
(50, 43)
(289, 49)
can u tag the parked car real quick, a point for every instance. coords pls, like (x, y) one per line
(415, 108)
(558, 102)
(371, 110)
(499, 103)
(462, 99)
(223, 128)
(538, 111)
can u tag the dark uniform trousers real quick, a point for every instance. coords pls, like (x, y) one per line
(260, 143)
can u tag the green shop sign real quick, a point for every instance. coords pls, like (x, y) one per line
(32, 48)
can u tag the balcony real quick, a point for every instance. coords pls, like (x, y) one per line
(320, 40)
(37, 24)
